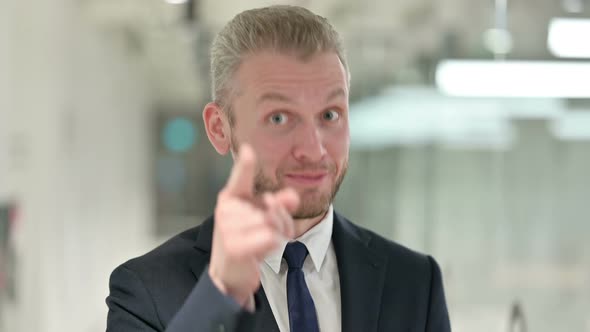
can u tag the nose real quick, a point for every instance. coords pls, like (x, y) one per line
(309, 145)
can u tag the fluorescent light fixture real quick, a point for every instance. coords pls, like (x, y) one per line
(529, 79)
(176, 2)
(569, 37)
(419, 116)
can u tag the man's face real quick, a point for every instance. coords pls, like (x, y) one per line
(294, 113)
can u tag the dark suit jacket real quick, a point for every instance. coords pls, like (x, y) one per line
(383, 286)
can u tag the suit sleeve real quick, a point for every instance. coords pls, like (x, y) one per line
(438, 316)
(132, 308)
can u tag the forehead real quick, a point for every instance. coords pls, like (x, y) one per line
(318, 76)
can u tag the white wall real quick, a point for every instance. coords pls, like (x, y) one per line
(6, 92)
(506, 226)
(78, 108)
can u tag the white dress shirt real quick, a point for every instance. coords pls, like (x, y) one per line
(321, 275)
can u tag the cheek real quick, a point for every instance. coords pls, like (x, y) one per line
(273, 146)
(270, 152)
(338, 145)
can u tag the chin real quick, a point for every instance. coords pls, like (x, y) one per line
(312, 205)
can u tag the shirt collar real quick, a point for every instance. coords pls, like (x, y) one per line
(317, 240)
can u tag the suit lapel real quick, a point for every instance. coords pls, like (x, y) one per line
(203, 248)
(265, 320)
(362, 275)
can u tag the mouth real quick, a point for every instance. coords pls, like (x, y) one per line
(306, 178)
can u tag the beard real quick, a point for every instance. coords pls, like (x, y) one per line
(312, 201)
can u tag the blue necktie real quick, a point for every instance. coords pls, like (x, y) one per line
(302, 315)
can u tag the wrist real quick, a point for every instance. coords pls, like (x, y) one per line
(217, 281)
(242, 300)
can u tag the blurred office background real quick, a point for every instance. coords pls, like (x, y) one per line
(470, 124)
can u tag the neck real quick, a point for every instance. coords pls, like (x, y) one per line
(304, 225)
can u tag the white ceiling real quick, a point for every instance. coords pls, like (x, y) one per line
(388, 41)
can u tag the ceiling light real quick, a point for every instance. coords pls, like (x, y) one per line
(569, 37)
(544, 79)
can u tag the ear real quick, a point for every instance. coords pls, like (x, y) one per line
(217, 127)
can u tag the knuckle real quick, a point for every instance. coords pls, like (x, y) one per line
(222, 195)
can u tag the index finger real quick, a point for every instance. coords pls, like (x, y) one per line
(241, 179)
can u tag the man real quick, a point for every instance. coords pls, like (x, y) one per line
(275, 256)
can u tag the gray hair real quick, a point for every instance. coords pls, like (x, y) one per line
(283, 28)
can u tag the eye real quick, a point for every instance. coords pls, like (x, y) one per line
(278, 118)
(331, 115)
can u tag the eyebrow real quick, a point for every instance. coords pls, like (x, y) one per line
(275, 96)
(339, 92)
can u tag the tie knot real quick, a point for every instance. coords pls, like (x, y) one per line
(295, 253)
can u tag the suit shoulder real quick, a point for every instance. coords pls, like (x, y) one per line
(401, 256)
(171, 255)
